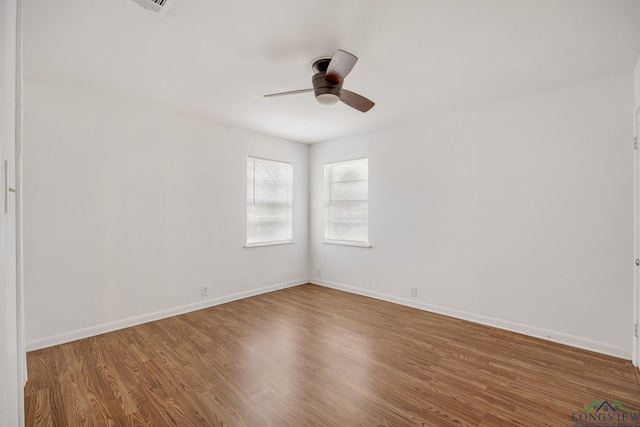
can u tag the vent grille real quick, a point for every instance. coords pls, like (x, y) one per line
(158, 6)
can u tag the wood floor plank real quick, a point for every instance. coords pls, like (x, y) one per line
(312, 356)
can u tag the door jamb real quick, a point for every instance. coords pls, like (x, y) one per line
(635, 358)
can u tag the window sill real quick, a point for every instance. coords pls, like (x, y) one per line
(257, 245)
(347, 243)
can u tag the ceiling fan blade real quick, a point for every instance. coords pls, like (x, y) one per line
(292, 92)
(341, 64)
(356, 101)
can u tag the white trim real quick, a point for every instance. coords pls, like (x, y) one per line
(635, 358)
(12, 359)
(281, 242)
(290, 214)
(343, 162)
(78, 334)
(22, 337)
(264, 159)
(328, 180)
(346, 243)
(545, 334)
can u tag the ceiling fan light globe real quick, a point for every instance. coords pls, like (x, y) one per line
(327, 99)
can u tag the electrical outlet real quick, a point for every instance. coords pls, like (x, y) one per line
(204, 291)
(414, 291)
(319, 272)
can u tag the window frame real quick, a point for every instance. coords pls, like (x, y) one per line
(327, 204)
(287, 241)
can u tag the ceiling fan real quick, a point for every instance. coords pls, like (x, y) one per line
(327, 82)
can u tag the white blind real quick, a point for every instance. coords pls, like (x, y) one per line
(347, 201)
(268, 201)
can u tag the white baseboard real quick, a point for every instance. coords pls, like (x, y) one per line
(150, 317)
(533, 331)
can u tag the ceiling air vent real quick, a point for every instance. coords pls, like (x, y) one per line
(158, 6)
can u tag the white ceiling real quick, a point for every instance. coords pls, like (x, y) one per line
(216, 59)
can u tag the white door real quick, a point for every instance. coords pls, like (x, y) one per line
(11, 340)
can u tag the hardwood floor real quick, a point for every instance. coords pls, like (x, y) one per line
(311, 356)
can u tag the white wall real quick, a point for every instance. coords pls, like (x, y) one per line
(518, 214)
(636, 79)
(129, 210)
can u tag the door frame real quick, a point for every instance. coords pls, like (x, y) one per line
(635, 353)
(22, 338)
(11, 312)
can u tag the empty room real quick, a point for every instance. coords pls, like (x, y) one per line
(301, 213)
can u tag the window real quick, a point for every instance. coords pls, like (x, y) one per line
(347, 202)
(268, 202)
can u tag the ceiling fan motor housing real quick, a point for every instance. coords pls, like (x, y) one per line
(327, 93)
(327, 82)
